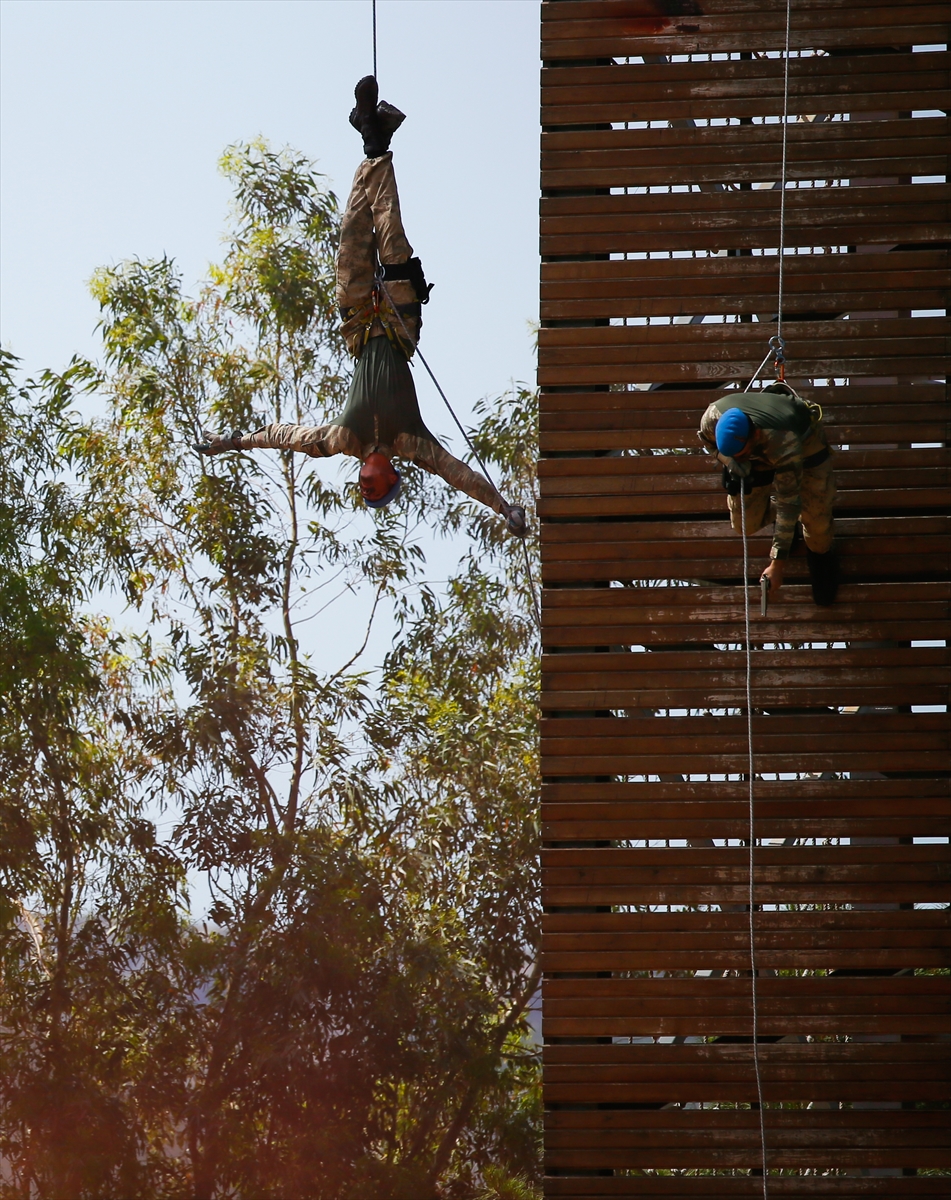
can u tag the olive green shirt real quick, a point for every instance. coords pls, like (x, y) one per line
(381, 415)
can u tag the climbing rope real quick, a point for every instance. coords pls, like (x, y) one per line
(752, 845)
(374, 40)
(776, 351)
(777, 343)
(475, 453)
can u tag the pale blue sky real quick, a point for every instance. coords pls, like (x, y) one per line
(113, 114)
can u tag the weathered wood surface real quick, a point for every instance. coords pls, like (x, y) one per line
(714, 90)
(843, 1187)
(720, 220)
(643, 678)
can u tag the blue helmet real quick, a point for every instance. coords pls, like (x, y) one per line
(389, 497)
(733, 431)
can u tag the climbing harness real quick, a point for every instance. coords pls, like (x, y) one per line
(380, 283)
(776, 351)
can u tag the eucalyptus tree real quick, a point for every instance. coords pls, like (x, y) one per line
(349, 1020)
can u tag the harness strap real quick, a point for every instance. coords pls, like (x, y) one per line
(817, 459)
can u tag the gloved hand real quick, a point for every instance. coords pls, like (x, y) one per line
(733, 484)
(217, 443)
(515, 520)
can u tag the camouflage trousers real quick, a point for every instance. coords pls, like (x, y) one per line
(817, 492)
(372, 232)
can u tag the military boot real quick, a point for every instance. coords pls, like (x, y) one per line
(824, 574)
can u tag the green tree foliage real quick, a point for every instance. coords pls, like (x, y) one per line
(349, 1021)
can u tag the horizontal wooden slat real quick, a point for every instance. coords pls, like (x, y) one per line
(611, 10)
(720, 875)
(732, 1139)
(720, 941)
(657, 353)
(716, 220)
(623, 28)
(665, 419)
(690, 483)
(790, 808)
(715, 679)
(638, 400)
(806, 1005)
(672, 287)
(844, 1187)
(684, 91)
(744, 154)
(787, 1068)
(869, 548)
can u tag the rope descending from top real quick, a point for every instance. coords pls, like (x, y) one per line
(777, 343)
(752, 847)
(782, 183)
(374, 40)
(777, 351)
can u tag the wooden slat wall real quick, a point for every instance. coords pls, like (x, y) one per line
(660, 149)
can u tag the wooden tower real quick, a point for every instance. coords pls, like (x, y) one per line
(661, 150)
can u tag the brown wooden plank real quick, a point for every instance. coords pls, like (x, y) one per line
(722, 352)
(795, 808)
(843, 1187)
(715, 678)
(817, 1005)
(715, 220)
(748, 153)
(584, 10)
(922, 335)
(712, 603)
(712, 37)
(679, 399)
(683, 91)
(788, 1128)
(673, 287)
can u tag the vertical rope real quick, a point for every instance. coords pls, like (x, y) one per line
(374, 39)
(752, 844)
(782, 181)
(777, 349)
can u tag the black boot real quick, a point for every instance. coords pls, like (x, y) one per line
(374, 119)
(824, 574)
(366, 94)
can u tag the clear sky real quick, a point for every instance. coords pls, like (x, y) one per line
(113, 114)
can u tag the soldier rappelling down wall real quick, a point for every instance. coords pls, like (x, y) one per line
(775, 455)
(380, 290)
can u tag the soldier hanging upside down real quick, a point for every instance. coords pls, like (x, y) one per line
(381, 418)
(776, 457)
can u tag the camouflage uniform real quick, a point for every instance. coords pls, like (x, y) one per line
(372, 231)
(800, 490)
(382, 413)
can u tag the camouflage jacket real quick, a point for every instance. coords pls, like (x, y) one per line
(789, 441)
